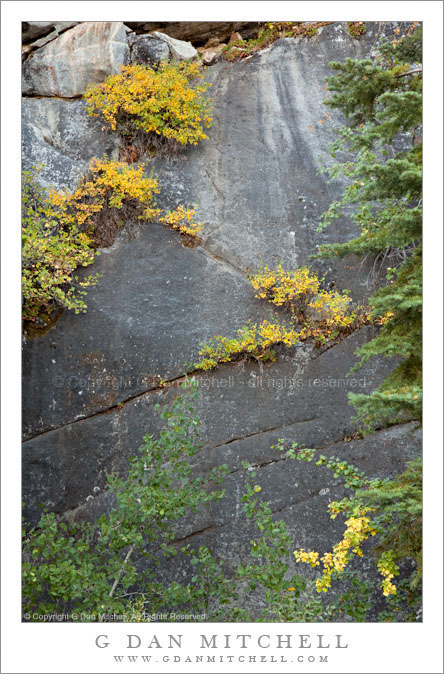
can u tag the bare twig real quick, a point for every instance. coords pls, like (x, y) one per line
(410, 72)
(122, 568)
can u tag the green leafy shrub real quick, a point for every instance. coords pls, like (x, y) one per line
(92, 571)
(158, 492)
(53, 246)
(166, 105)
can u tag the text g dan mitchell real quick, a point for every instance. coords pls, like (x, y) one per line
(224, 641)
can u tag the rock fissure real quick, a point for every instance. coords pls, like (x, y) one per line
(77, 97)
(195, 533)
(118, 406)
(222, 260)
(261, 432)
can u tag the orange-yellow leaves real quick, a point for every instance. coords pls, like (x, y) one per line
(110, 185)
(166, 102)
(254, 341)
(358, 529)
(182, 219)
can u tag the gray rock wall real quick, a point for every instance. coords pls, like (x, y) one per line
(60, 135)
(84, 54)
(90, 384)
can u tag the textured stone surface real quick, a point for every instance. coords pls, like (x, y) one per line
(32, 30)
(210, 56)
(60, 135)
(197, 32)
(256, 178)
(84, 54)
(148, 49)
(57, 30)
(155, 301)
(179, 49)
(91, 383)
(303, 392)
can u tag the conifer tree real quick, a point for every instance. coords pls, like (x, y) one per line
(381, 155)
(382, 145)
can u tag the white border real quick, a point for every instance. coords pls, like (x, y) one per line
(373, 647)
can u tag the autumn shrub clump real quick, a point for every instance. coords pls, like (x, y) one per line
(182, 219)
(166, 106)
(61, 230)
(356, 28)
(53, 246)
(111, 191)
(323, 314)
(251, 341)
(315, 313)
(269, 33)
(114, 192)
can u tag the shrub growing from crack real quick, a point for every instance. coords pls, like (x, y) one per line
(356, 28)
(322, 316)
(53, 246)
(269, 33)
(166, 105)
(61, 230)
(251, 341)
(182, 219)
(110, 192)
(116, 191)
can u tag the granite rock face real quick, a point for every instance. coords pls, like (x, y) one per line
(84, 54)
(60, 135)
(257, 178)
(33, 30)
(169, 299)
(91, 383)
(179, 49)
(241, 405)
(197, 32)
(148, 49)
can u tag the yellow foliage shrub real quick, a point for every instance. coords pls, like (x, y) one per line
(252, 341)
(114, 191)
(358, 530)
(166, 103)
(110, 188)
(324, 314)
(285, 288)
(182, 219)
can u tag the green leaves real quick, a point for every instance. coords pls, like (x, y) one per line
(52, 248)
(383, 101)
